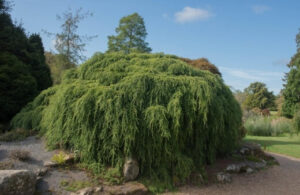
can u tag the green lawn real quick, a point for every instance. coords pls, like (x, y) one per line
(287, 145)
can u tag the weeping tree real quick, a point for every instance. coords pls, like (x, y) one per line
(171, 117)
(131, 35)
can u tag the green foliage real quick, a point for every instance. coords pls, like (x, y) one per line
(292, 87)
(58, 64)
(131, 35)
(265, 126)
(23, 72)
(258, 96)
(74, 185)
(296, 122)
(171, 117)
(59, 158)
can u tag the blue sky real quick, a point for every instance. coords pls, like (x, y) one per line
(248, 40)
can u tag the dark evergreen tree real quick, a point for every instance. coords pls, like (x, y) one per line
(23, 72)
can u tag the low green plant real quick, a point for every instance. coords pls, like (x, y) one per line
(59, 158)
(268, 126)
(16, 135)
(296, 122)
(75, 185)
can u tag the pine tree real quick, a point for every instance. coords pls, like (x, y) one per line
(131, 35)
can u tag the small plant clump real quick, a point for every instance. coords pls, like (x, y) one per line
(21, 155)
(171, 117)
(59, 158)
(74, 185)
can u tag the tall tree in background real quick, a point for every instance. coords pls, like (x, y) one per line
(23, 71)
(258, 96)
(68, 43)
(131, 35)
(291, 91)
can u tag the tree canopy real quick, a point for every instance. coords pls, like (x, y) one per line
(23, 71)
(258, 96)
(169, 116)
(68, 42)
(131, 35)
(202, 64)
(291, 90)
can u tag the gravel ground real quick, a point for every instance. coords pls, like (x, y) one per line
(283, 179)
(50, 183)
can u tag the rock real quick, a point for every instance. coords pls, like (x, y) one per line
(41, 172)
(17, 182)
(224, 177)
(245, 151)
(130, 188)
(249, 170)
(50, 164)
(253, 148)
(69, 158)
(237, 168)
(131, 169)
(90, 191)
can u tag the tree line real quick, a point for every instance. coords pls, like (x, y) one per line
(26, 69)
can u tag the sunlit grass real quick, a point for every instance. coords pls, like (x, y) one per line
(287, 145)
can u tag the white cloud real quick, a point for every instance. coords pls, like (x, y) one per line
(241, 78)
(260, 9)
(253, 75)
(189, 14)
(281, 62)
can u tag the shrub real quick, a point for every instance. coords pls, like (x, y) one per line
(22, 155)
(296, 121)
(59, 158)
(171, 117)
(259, 126)
(202, 64)
(265, 126)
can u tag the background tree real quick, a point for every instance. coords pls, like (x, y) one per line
(258, 96)
(57, 63)
(203, 64)
(131, 35)
(68, 43)
(23, 71)
(291, 91)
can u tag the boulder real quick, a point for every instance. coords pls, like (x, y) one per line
(249, 170)
(17, 182)
(130, 188)
(224, 177)
(41, 171)
(237, 168)
(131, 169)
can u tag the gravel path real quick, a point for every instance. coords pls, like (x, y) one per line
(283, 179)
(50, 183)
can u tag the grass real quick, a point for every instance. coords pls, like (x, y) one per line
(73, 186)
(286, 144)
(268, 126)
(59, 158)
